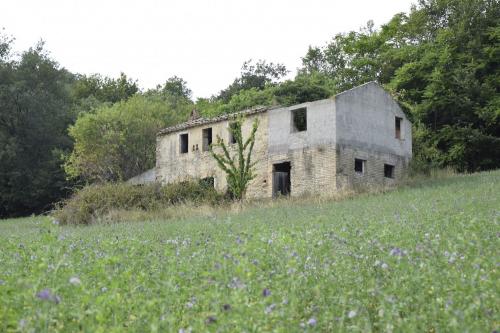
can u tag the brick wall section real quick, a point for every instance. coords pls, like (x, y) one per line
(373, 174)
(312, 170)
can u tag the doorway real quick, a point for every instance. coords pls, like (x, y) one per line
(281, 179)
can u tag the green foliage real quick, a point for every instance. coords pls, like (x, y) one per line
(304, 88)
(175, 86)
(92, 203)
(418, 259)
(104, 89)
(118, 142)
(239, 168)
(35, 111)
(253, 76)
(442, 62)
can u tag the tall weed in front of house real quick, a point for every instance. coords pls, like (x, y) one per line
(94, 203)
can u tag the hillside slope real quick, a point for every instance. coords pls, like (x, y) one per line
(422, 258)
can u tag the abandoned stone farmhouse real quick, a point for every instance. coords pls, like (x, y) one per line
(360, 137)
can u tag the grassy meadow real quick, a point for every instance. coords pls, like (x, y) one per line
(422, 258)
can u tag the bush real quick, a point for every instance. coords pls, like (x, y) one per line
(93, 202)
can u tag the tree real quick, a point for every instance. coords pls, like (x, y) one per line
(35, 111)
(239, 168)
(441, 62)
(104, 89)
(258, 76)
(118, 142)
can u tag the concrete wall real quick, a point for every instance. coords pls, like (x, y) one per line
(320, 127)
(311, 153)
(365, 119)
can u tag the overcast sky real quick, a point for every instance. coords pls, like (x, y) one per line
(204, 42)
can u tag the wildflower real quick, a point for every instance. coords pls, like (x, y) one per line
(270, 308)
(2, 282)
(396, 251)
(22, 324)
(104, 289)
(210, 320)
(351, 314)
(47, 295)
(312, 322)
(55, 222)
(266, 292)
(236, 284)
(74, 280)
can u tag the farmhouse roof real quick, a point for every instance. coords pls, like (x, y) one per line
(203, 121)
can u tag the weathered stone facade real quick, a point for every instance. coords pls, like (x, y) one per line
(356, 139)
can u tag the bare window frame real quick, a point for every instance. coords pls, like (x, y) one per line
(183, 143)
(207, 138)
(299, 120)
(357, 162)
(398, 132)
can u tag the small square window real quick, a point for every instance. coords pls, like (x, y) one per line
(388, 171)
(359, 165)
(299, 120)
(207, 138)
(398, 122)
(183, 143)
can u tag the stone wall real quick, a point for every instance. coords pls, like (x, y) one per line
(373, 173)
(312, 170)
(172, 166)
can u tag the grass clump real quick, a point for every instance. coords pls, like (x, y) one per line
(97, 203)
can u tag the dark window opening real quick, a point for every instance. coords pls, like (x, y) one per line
(359, 165)
(299, 120)
(281, 179)
(207, 138)
(232, 128)
(398, 127)
(184, 144)
(208, 182)
(388, 171)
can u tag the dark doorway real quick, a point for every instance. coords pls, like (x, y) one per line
(281, 179)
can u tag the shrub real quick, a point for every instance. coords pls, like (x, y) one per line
(89, 204)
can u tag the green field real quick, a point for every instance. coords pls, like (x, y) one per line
(423, 258)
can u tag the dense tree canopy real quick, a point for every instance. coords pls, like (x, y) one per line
(35, 111)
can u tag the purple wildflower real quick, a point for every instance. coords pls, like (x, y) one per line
(397, 252)
(210, 320)
(266, 292)
(47, 295)
(312, 322)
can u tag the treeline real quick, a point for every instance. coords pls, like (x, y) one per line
(59, 130)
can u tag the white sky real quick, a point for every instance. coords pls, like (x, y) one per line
(204, 42)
